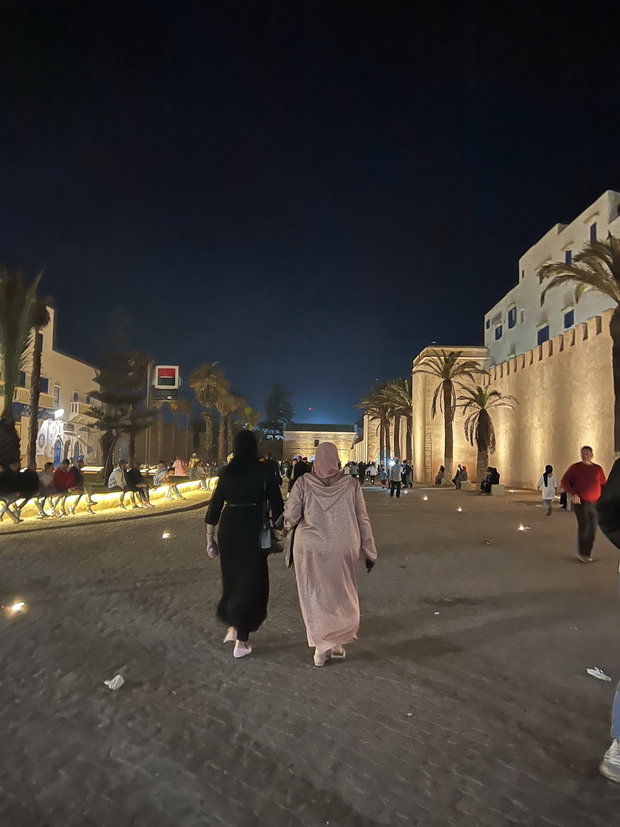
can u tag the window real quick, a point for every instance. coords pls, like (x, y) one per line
(56, 397)
(543, 334)
(498, 332)
(316, 443)
(522, 274)
(488, 325)
(569, 319)
(512, 317)
(44, 385)
(76, 396)
(568, 256)
(522, 315)
(593, 231)
(87, 399)
(22, 379)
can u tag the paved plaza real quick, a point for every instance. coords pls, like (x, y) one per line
(465, 702)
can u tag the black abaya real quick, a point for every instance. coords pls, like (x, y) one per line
(237, 504)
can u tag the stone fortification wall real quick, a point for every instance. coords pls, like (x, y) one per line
(565, 393)
(302, 442)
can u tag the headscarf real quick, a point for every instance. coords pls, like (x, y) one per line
(327, 464)
(547, 474)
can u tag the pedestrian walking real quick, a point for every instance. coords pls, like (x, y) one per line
(361, 472)
(272, 466)
(583, 483)
(396, 476)
(383, 475)
(608, 512)
(548, 484)
(302, 467)
(244, 497)
(407, 474)
(372, 472)
(332, 533)
(354, 470)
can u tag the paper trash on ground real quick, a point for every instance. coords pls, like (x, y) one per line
(598, 673)
(116, 682)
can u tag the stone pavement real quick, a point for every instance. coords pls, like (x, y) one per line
(465, 701)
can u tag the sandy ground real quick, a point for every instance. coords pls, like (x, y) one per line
(465, 702)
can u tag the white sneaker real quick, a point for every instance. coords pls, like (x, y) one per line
(610, 765)
(231, 635)
(241, 649)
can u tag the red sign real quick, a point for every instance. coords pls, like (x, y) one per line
(166, 376)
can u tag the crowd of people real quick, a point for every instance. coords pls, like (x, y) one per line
(51, 488)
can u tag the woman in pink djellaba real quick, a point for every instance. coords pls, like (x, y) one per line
(333, 534)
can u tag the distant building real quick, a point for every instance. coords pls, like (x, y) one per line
(304, 439)
(554, 358)
(519, 322)
(66, 385)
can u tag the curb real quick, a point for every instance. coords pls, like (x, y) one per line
(44, 526)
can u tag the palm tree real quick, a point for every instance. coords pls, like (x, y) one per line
(596, 267)
(39, 319)
(159, 405)
(249, 418)
(476, 404)
(397, 396)
(184, 407)
(16, 313)
(225, 406)
(209, 384)
(450, 369)
(376, 408)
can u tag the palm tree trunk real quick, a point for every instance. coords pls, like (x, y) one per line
(175, 424)
(381, 444)
(229, 436)
(35, 394)
(221, 449)
(132, 448)
(188, 436)
(397, 452)
(208, 436)
(388, 444)
(614, 330)
(482, 463)
(108, 443)
(448, 418)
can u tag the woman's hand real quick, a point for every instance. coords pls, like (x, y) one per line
(211, 548)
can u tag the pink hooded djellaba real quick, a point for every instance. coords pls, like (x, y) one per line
(333, 534)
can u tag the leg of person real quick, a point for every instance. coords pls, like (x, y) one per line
(89, 496)
(547, 504)
(41, 507)
(72, 508)
(60, 504)
(177, 493)
(4, 509)
(392, 486)
(610, 766)
(121, 503)
(398, 486)
(592, 525)
(584, 531)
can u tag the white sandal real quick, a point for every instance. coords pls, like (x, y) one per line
(320, 659)
(338, 653)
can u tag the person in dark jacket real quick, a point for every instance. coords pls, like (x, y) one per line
(245, 495)
(272, 467)
(138, 484)
(608, 513)
(9, 491)
(28, 486)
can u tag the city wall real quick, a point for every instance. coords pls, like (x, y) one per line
(565, 393)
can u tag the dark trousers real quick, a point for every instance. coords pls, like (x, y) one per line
(586, 527)
(395, 486)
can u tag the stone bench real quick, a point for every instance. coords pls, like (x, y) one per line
(466, 485)
(497, 490)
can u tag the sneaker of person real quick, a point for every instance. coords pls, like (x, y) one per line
(610, 765)
(241, 649)
(123, 506)
(584, 559)
(16, 518)
(42, 515)
(89, 509)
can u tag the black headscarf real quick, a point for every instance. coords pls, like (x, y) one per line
(245, 451)
(548, 472)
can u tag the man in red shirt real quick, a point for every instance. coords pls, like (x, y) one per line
(583, 483)
(63, 481)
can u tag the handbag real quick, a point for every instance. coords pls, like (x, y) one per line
(288, 547)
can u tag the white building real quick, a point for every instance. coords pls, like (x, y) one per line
(518, 322)
(66, 385)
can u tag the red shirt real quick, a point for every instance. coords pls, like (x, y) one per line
(63, 481)
(584, 480)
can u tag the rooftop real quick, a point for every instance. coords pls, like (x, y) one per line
(314, 428)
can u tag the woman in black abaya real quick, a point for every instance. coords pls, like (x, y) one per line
(238, 505)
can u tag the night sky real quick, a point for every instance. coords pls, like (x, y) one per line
(308, 192)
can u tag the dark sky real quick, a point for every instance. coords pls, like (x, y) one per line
(308, 192)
